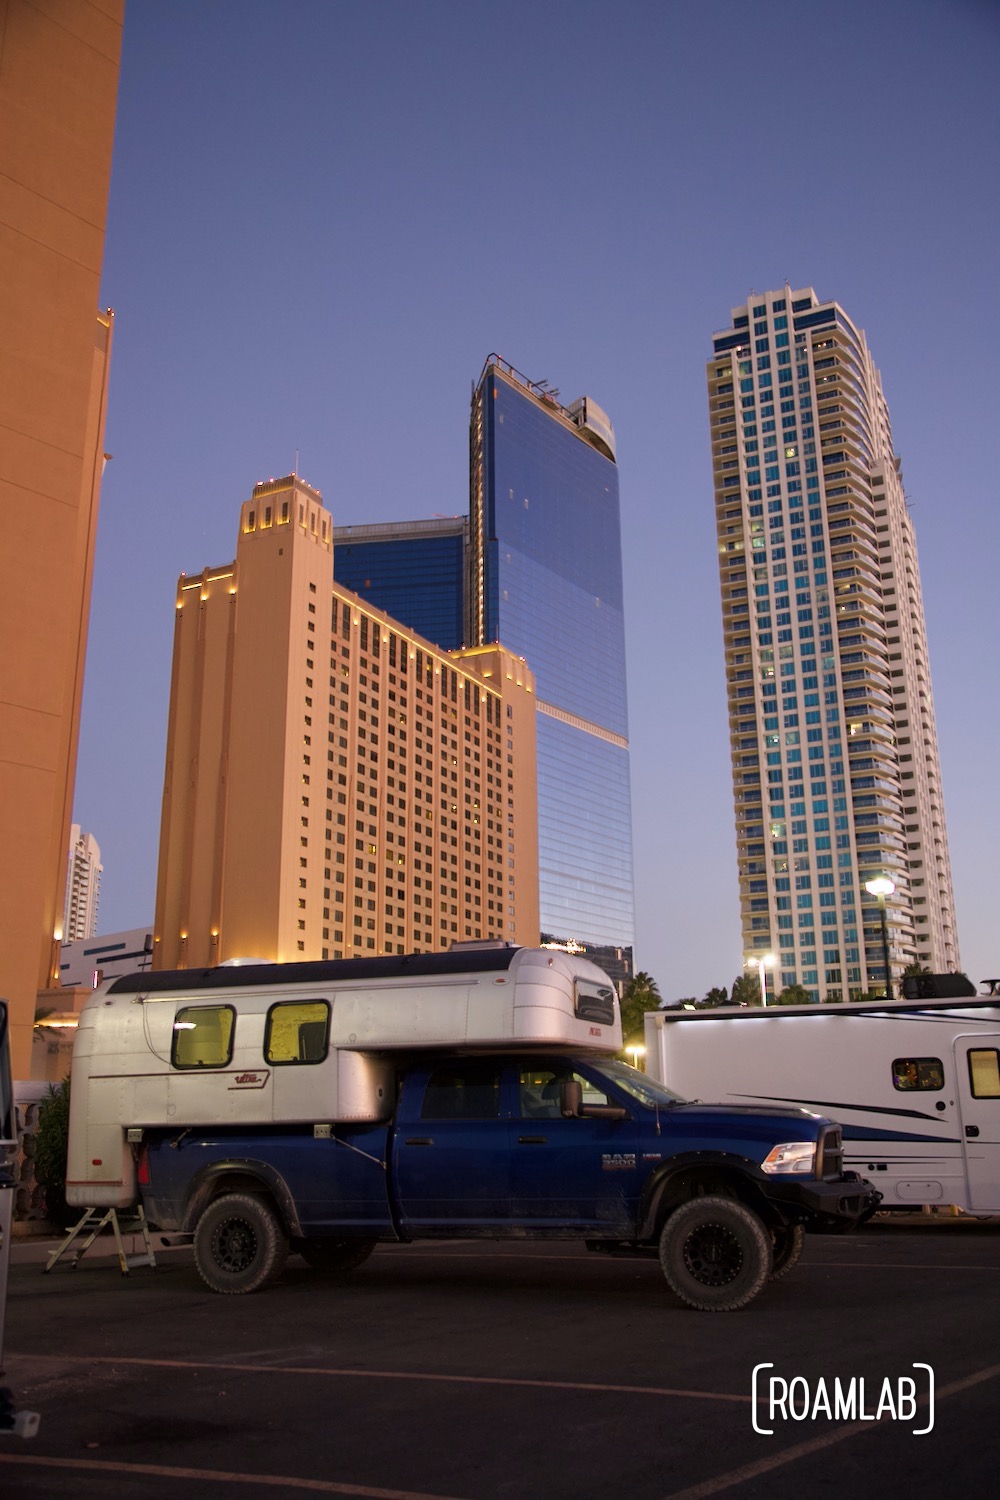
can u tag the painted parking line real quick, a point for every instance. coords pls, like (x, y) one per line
(884, 1265)
(426, 1375)
(284, 1482)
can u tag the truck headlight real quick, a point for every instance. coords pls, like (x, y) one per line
(791, 1156)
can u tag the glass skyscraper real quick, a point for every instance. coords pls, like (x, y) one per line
(834, 747)
(414, 570)
(546, 581)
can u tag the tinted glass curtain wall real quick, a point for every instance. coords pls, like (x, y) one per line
(547, 566)
(418, 580)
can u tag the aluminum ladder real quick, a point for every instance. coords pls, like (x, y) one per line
(92, 1222)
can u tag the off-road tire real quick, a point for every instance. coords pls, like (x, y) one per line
(239, 1244)
(335, 1255)
(715, 1254)
(788, 1244)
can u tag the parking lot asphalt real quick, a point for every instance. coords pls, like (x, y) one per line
(484, 1370)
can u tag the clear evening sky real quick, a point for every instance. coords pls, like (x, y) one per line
(325, 214)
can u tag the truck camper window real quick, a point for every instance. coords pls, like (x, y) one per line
(297, 1031)
(595, 1002)
(203, 1036)
(463, 1091)
(917, 1073)
(984, 1072)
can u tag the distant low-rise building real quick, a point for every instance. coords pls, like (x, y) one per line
(91, 960)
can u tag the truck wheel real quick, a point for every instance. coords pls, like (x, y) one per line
(239, 1244)
(715, 1254)
(335, 1255)
(788, 1244)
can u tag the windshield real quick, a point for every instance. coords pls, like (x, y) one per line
(638, 1085)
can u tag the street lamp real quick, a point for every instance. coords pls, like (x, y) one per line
(635, 1052)
(763, 962)
(881, 886)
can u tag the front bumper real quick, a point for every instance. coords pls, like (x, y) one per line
(830, 1206)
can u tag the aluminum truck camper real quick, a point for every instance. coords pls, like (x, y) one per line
(322, 1109)
(914, 1085)
(202, 1047)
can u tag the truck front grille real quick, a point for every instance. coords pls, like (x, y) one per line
(830, 1162)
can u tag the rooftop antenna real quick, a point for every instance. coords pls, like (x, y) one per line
(296, 469)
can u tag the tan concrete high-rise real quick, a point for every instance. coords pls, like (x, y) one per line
(83, 887)
(58, 85)
(834, 745)
(335, 785)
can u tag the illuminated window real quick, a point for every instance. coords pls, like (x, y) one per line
(203, 1036)
(297, 1032)
(919, 1073)
(984, 1072)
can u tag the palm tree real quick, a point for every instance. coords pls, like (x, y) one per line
(643, 984)
(794, 994)
(745, 990)
(640, 994)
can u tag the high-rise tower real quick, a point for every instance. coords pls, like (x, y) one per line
(58, 85)
(835, 761)
(546, 581)
(83, 886)
(536, 566)
(336, 785)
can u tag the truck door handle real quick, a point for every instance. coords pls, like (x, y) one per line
(419, 1140)
(972, 1130)
(532, 1140)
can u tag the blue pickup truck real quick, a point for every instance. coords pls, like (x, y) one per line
(500, 1135)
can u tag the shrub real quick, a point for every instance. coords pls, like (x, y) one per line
(51, 1145)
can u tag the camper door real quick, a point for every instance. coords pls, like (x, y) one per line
(977, 1065)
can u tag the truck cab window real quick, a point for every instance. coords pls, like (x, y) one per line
(297, 1031)
(917, 1073)
(463, 1091)
(539, 1092)
(203, 1036)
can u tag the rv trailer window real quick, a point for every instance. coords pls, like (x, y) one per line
(984, 1072)
(297, 1031)
(595, 1002)
(917, 1073)
(203, 1036)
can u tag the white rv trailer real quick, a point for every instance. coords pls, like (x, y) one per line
(200, 1047)
(914, 1084)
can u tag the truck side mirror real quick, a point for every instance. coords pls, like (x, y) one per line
(572, 1107)
(570, 1098)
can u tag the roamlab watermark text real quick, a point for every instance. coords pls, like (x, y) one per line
(780, 1399)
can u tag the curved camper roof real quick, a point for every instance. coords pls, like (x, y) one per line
(331, 970)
